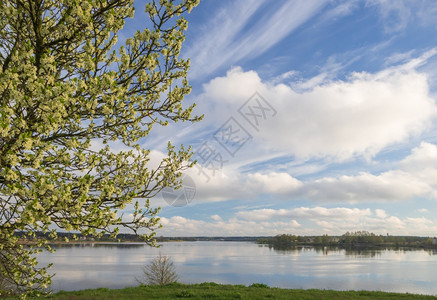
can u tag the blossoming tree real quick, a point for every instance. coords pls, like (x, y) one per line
(66, 87)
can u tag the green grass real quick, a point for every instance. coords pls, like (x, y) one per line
(210, 290)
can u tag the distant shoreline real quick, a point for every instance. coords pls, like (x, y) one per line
(360, 240)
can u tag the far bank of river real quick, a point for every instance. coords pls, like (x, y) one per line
(82, 266)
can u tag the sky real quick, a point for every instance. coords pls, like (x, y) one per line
(319, 118)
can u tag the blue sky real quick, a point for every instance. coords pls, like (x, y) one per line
(320, 118)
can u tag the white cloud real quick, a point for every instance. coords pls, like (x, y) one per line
(315, 213)
(365, 187)
(283, 77)
(216, 218)
(230, 184)
(361, 117)
(318, 220)
(218, 34)
(395, 14)
(426, 12)
(399, 57)
(218, 186)
(273, 183)
(223, 43)
(180, 226)
(341, 10)
(234, 88)
(414, 179)
(275, 27)
(339, 119)
(416, 62)
(422, 157)
(380, 213)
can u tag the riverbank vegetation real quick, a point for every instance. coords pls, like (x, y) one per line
(350, 240)
(126, 237)
(210, 290)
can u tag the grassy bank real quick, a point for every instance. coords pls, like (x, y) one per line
(216, 291)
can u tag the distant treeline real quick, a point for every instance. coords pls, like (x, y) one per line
(122, 237)
(69, 236)
(349, 240)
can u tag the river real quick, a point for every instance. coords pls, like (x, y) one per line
(117, 265)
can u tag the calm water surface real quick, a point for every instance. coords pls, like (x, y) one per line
(117, 265)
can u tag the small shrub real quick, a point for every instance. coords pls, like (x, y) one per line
(159, 271)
